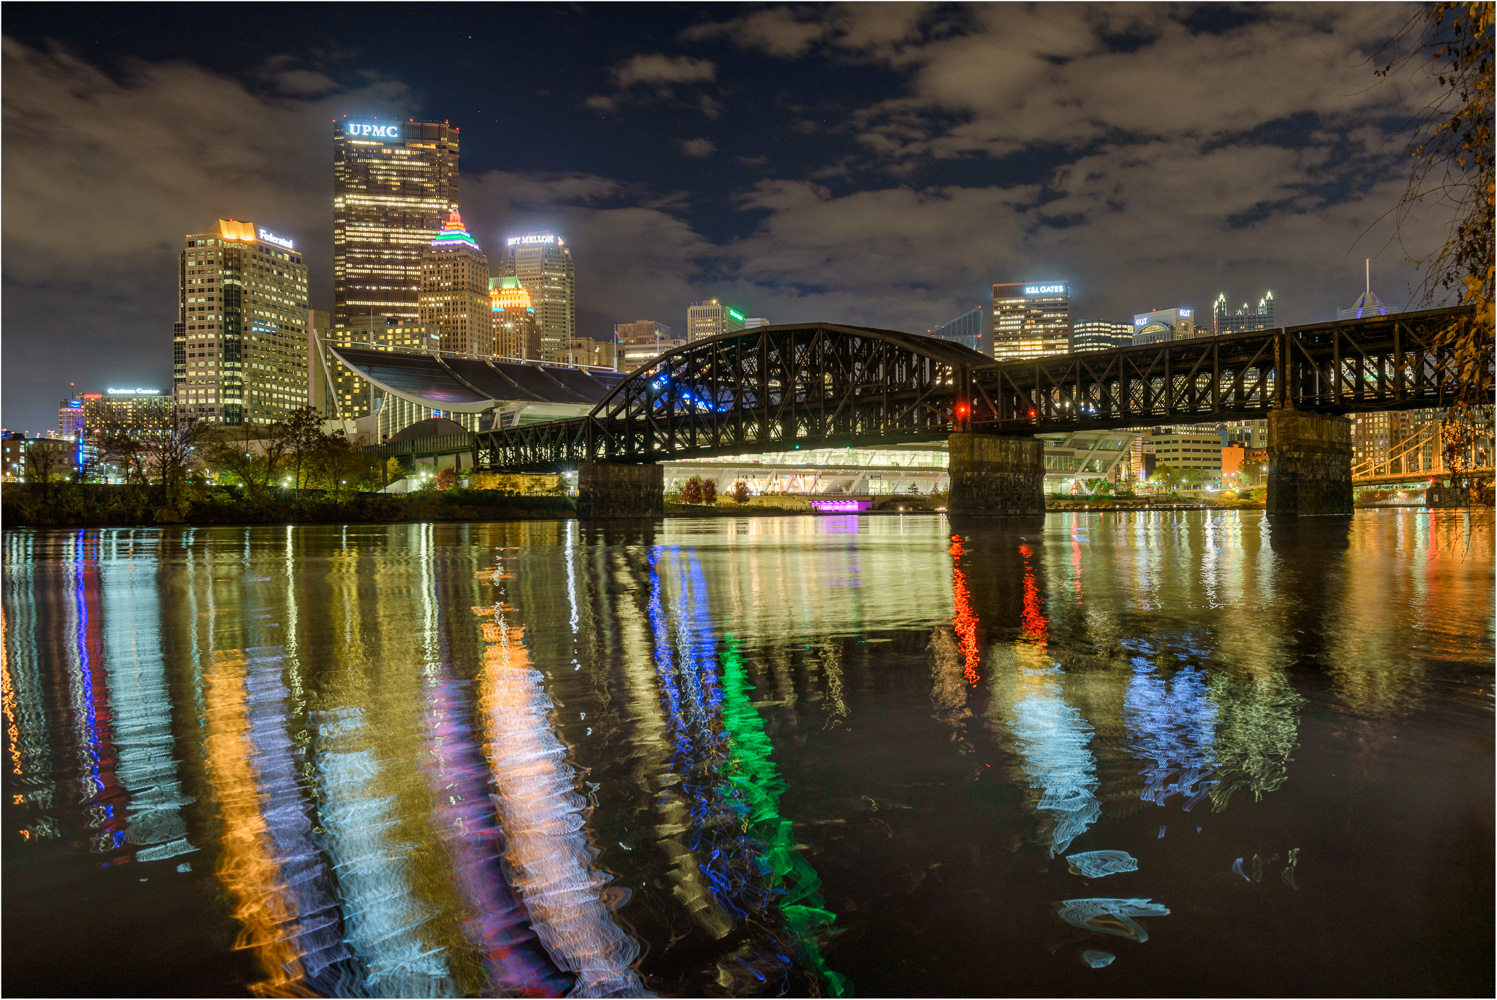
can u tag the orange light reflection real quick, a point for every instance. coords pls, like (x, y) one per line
(965, 621)
(246, 867)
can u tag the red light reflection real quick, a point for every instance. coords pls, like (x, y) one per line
(965, 621)
(1036, 626)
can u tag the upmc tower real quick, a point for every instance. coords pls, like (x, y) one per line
(394, 183)
(1031, 319)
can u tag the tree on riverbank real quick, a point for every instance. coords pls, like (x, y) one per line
(294, 452)
(1454, 172)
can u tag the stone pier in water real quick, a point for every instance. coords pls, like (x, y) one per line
(607, 490)
(1309, 463)
(996, 474)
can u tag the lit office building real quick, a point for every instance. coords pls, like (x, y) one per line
(1099, 335)
(1031, 319)
(1227, 320)
(394, 184)
(1160, 325)
(754, 322)
(544, 266)
(517, 332)
(642, 341)
(240, 340)
(585, 351)
(144, 413)
(455, 291)
(70, 418)
(968, 329)
(337, 392)
(642, 331)
(1189, 448)
(709, 319)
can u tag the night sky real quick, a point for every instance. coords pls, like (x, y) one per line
(874, 165)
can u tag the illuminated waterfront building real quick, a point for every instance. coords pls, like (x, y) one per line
(394, 183)
(144, 413)
(711, 318)
(968, 329)
(240, 340)
(340, 393)
(1031, 319)
(544, 266)
(1099, 335)
(1189, 448)
(455, 291)
(517, 332)
(70, 418)
(1227, 320)
(1159, 325)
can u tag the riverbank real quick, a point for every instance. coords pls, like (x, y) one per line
(89, 505)
(69, 505)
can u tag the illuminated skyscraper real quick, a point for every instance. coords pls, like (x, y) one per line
(710, 318)
(455, 291)
(543, 264)
(394, 184)
(1099, 335)
(1031, 319)
(517, 333)
(240, 340)
(1242, 319)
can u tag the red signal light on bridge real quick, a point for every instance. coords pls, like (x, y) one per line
(1031, 413)
(961, 409)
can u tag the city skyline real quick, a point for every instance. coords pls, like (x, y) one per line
(881, 181)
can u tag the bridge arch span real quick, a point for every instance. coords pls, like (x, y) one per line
(767, 389)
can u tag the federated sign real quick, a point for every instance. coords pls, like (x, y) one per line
(266, 236)
(515, 241)
(1044, 289)
(370, 130)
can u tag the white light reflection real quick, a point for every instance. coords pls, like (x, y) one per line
(542, 814)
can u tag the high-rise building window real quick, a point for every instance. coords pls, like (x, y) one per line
(1031, 319)
(543, 264)
(1226, 319)
(710, 318)
(394, 184)
(239, 345)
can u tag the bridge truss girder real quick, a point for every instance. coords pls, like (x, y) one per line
(823, 385)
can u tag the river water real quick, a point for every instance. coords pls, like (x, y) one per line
(1149, 753)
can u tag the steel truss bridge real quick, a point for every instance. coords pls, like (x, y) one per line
(822, 385)
(1421, 456)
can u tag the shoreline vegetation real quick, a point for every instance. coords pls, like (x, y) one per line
(87, 505)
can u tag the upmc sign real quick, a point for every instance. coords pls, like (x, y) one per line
(373, 131)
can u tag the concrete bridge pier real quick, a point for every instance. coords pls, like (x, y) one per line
(1309, 463)
(996, 474)
(608, 490)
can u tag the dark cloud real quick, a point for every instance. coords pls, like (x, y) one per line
(696, 148)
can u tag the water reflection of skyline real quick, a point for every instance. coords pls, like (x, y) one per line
(397, 794)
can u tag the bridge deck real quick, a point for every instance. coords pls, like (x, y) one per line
(822, 385)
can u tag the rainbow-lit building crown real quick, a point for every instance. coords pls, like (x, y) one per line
(454, 234)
